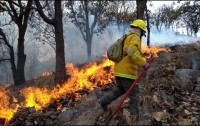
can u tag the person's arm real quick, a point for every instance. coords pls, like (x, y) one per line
(134, 52)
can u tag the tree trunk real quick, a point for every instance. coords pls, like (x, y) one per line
(21, 19)
(13, 66)
(20, 78)
(89, 50)
(88, 34)
(60, 72)
(12, 57)
(148, 28)
(141, 5)
(195, 35)
(18, 72)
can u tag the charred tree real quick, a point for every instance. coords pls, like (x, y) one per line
(141, 6)
(56, 22)
(148, 27)
(21, 20)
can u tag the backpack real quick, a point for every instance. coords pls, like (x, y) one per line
(115, 51)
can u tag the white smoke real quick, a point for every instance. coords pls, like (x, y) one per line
(168, 37)
(75, 46)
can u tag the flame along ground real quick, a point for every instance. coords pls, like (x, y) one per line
(89, 77)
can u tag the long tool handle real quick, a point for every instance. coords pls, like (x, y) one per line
(128, 92)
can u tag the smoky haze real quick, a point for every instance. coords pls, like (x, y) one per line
(75, 48)
(168, 37)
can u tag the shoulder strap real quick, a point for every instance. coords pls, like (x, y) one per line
(124, 40)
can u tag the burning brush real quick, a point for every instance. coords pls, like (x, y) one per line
(81, 81)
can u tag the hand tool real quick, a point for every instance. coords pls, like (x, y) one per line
(125, 96)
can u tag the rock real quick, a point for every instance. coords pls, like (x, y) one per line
(186, 62)
(166, 57)
(95, 92)
(146, 116)
(182, 78)
(197, 89)
(191, 60)
(28, 123)
(168, 98)
(49, 122)
(66, 115)
(191, 48)
(153, 72)
(195, 58)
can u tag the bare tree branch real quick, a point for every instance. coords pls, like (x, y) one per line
(1, 60)
(4, 38)
(12, 8)
(45, 18)
(21, 6)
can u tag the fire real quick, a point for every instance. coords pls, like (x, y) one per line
(87, 78)
(7, 110)
(154, 50)
(183, 46)
(90, 77)
(47, 73)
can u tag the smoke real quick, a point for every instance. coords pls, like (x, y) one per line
(75, 47)
(168, 37)
(76, 52)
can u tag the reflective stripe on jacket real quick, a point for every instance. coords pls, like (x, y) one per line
(132, 59)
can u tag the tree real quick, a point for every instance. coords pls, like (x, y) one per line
(90, 17)
(56, 22)
(165, 16)
(20, 16)
(5, 75)
(156, 19)
(148, 27)
(32, 59)
(141, 6)
(123, 14)
(45, 32)
(190, 15)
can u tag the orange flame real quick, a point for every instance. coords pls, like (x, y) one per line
(47, 74)
(89, 77)
(154, 50)
(80, 79)
(7, 110)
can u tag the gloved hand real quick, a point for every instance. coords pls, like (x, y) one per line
(146, 66)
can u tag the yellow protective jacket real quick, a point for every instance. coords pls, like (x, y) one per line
(132, 59)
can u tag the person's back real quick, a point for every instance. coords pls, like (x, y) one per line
(132, 59)
(125, 71)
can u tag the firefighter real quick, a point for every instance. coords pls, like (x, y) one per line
(125, 71)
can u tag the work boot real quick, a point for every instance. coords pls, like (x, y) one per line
(102, 105)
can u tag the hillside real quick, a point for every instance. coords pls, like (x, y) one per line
(170, 94)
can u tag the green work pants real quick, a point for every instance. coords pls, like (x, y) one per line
(123, 84)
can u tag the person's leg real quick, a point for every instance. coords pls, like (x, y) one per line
(134, 98)
(114, 94)
(135, 102)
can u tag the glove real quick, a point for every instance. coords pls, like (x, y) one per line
(146, 66)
